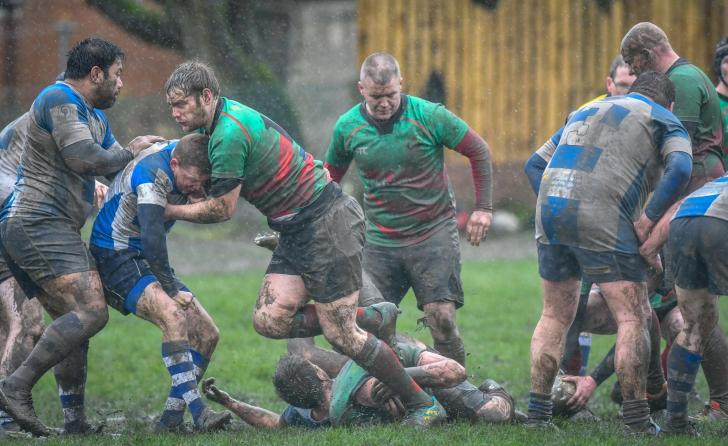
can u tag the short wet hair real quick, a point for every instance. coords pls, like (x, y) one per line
(617, 62)
(297, 382)
(380, 68)
(191, 151)
(191, 78)
(644, 35)
(656, 86)
(91, 52)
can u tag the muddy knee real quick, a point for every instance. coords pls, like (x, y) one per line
(271, 327)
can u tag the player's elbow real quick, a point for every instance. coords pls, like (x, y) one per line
(453, 374)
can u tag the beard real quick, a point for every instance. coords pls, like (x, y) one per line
(106, 94)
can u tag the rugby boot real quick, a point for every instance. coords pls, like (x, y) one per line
(267, 240)
(82, 427)
(18, 403)
(210, 420)
(687, 429)
(388, 327)
(544, 425)
(647, 429)
(712, 412)
(424, 417)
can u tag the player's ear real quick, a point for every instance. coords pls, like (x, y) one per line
(174, 163)
(360, 86)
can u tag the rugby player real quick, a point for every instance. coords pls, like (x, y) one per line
(69, 141)
(412, 241)
(354, 397)
(592, 177)
(128, 242)
(720, 68)
(322, 229)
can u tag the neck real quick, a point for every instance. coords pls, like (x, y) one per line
(722, 88)
(84, 87)
(210, 118)
(666, 61)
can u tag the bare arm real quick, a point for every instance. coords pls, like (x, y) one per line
(435, 370)
(253, 415)
(212, 210)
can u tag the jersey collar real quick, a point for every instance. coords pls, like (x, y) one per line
(384, 127)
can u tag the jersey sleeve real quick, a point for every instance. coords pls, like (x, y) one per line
(64, 116)
(447, 128)
(228, 153)
(546, 151)
(150, 184)
(670, 134)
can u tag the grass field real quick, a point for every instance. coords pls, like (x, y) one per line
(128, 383)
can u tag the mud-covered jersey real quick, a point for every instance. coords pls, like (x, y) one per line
(723, 101)
(711, 200)
(697, 107)
(279, 177)
(344, 409)
(407, 193)
(601, 167)
(148, 179)
(46, 187)
(298, 417)
(12, 140)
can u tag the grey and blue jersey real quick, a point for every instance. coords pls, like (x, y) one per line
(601, 168)
(12, 140)
(297, 417)
(711, 200)
(45, 186)
(146, 180)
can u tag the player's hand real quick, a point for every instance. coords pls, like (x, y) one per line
(395, 408)
(478, 225)
(183, 298)
(381, 393)
(653, 261)
(100, 194)
(643, 227)
(140, 143)
(585, 387)
(213, 393)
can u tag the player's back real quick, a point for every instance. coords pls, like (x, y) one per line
(147, 179)
(711, 200)
(12, 141)
(608, 159)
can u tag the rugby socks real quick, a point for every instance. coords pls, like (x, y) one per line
(682, 367)
(636, 415)
(177, 358)
(70, 376)
(715, 367)
(306, 324)
(377, 358)
(200, 363)
(452, 348)
(540, 408)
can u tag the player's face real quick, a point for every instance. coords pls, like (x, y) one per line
(109, 87)
(382, 101)
(621, 82)
(188, 111)
(189, 180)
(638, 60)
(724, 67)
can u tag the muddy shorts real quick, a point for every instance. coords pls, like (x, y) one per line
(699, 253)
(431, 268)
(124, 274)
(325, 250)
(558, 263)
(41, 249)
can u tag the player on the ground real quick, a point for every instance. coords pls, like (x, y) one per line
(412, 241)
(129, 245)
(354, 397)
(322, 229)
(69, 141)
(698, 252)
(592, 178)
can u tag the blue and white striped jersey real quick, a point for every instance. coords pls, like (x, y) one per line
(711, 200)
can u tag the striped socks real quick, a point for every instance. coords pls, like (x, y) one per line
(682, 367)
(178, 358)
(540, 408)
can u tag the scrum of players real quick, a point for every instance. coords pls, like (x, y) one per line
(646, 268)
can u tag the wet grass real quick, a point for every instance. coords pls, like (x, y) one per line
(128, 384)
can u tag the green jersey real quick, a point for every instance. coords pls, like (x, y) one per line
(344, 409)
(724, 118)
(407, 193)
(697, 107)
(279, 177)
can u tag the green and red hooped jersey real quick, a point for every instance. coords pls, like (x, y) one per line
(407, 193)
(279, 177)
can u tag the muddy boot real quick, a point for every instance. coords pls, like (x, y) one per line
(493, 388)
(210, 420)
(267, 240)
(82, 427)
(424, 417)
(647, 429)
(18, 403)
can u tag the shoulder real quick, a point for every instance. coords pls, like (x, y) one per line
(55, 95)
(352, 118)
(153, 165)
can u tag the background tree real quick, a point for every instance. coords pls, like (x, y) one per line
(225, 33)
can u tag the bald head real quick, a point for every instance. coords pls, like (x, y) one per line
(644, 46)
(381, 68)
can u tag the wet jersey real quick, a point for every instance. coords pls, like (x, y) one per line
(407, 193)
(601, 167)
(12, 140)
(697, 107)
(46, 187)
(723, 101)
(344, 409)
(279, 177)
(148, 179)
(297, 417)
(711, 200)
